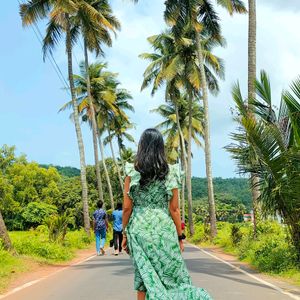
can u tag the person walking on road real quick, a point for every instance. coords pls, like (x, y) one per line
(117, 228)
(152, 226)
(100, 224)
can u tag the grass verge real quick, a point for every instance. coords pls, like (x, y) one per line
(34, 247)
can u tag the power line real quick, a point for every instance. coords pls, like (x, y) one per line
(50, 57)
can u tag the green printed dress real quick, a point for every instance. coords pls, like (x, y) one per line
(153, 242)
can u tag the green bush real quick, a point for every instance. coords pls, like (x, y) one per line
(57, 227)
(35, 213)
(270, 252)
(236, 234)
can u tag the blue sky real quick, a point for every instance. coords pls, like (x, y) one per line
(31, 93)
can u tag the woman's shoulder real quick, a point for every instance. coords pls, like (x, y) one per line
(174, 178)
(174, 169)
(130, 170)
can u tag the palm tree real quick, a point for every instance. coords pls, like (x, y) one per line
(251, 92)
(175, 62)
(176, 129)
(268, 146)
(169, 125)
(119, 130)
(103, 98)
(108, 103)
(60, 15)
(201, 16)
(95, 32)
(4, 235)
(113, 121)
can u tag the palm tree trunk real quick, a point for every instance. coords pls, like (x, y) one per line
(183, 191)
(251, 93)
(4, 235)
(183, 163)
(207, 150)
(120, 153)
(189, 171)
(84, 186)
(114, 159)
(111, 196)
(94, 124)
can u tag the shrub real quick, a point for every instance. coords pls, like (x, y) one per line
(36, 212)
(271, 251)
(273, 254)
(236, 234)
(57, 227)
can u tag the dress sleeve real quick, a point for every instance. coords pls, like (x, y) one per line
(133, 174)
(174, 179)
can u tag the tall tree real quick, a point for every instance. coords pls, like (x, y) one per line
(175, 62)
(200, 14)
(175, 127)
(120, 127)
(251, 92)
(118, 120)
(170, 129)
(108, 102)
(95, 32)
(60, 15)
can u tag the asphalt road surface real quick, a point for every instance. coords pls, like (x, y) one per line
(111, 278)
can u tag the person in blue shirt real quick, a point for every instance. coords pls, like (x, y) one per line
(118, 228)
(100, 225)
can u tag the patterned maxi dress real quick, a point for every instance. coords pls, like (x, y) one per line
(153, 242)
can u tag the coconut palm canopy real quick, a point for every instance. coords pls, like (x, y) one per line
(169, 128)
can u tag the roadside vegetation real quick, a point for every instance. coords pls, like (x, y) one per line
(271, 252)
(35, 247)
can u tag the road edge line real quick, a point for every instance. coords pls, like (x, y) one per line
(33, 282)
(273, 286)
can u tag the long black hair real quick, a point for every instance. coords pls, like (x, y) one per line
(150, 160)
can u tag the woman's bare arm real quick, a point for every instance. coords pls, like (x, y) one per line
(127, 203)
(175, 212)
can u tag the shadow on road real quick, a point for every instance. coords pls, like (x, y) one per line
(118, 266)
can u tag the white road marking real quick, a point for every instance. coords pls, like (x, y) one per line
(278, 289)
(28, 284)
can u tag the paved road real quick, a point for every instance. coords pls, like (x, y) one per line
(111, 278)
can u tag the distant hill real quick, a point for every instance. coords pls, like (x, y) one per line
(64, 171)
(235, 188)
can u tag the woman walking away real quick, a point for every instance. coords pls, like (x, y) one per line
(151, 221)
(117, 227)
(100, 225)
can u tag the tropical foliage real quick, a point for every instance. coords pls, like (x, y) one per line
(267, 144)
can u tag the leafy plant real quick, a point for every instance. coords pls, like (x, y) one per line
(236, 234)
(267, 145)
(57, 227)
(36, 212)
